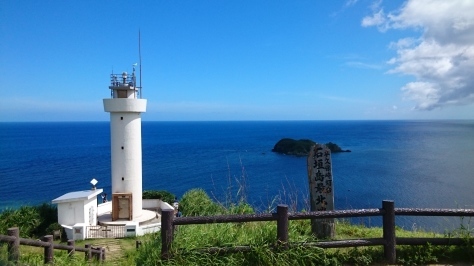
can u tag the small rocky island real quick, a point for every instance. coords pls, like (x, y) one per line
(301, 147)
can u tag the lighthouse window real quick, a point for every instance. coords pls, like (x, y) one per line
(122, 93)
(122, 147)
(123, 178)
(121, 118)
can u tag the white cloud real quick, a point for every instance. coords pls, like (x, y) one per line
(377, 19)
(425, 93)
(350, 3)
(402, 43)
(441, 59)
(358, 64)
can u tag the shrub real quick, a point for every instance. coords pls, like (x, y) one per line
(159, 194)
(26, 218)
(241, 208)
(32, 221)
(196, 202)
(48, 215)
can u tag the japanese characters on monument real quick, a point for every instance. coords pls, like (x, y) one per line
(320, 178)
(321, 189)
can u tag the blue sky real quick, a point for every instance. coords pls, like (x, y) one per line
(240, 60)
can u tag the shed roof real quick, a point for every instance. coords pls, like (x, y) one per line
(78, 196)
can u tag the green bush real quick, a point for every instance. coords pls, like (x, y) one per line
(159, 194)
(241, 208)
(196, 202)
(48, 214)
(26, 218)
(32, 221)
(417, 255)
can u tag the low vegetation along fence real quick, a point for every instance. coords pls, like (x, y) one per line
(282, 218)
(14, 241)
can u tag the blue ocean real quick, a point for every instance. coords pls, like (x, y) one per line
(415, 163)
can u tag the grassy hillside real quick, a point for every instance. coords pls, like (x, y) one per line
(190, 240)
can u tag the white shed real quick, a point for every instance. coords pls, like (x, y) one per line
(78, 207)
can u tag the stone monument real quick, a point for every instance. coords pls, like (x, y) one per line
(321, 189)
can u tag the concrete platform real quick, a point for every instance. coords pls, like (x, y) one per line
(147, 216)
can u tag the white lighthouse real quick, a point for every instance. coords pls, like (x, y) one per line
(125, 107)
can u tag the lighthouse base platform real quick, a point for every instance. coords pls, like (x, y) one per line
(146, 217)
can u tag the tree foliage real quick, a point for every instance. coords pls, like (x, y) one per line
(159, 194)
(196, 202)
(32, 221)
(293, 147)
(301, 147)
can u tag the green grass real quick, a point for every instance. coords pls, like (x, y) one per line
(30, 255)
(260, 236)
(190, 240)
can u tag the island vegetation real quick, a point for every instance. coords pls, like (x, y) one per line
(301, 147)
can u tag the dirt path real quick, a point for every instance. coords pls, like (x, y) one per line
(113, 249)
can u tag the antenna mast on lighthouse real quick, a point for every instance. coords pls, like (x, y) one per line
(140, 61)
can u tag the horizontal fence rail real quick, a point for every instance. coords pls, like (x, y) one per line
(433, 212)
(14, 241)
(388, 241)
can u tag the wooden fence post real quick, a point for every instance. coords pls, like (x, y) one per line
(98, 253)
(282, 225)
(389, 231)
(14, 246)
(88, 254)
(72, 244)
(103, 253)
(166, 232)
(49, 250)
(95, 255)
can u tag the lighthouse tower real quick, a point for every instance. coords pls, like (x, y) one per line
(125, 107)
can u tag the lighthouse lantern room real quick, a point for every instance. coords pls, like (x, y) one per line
(125, 107)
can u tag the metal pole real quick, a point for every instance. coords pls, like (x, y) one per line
(140, 59)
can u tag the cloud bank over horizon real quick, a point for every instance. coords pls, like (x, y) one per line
(441, 59)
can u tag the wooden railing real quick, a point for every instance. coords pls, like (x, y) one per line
(388, 241)
(14, 241)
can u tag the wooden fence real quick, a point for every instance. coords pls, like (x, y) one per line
(282, 217)
(14, 241)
